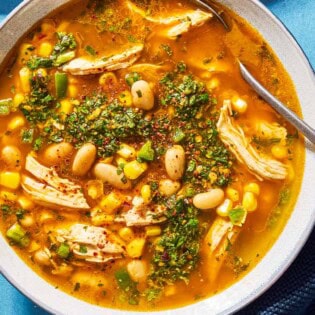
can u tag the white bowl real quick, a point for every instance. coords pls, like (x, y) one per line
(291, 240)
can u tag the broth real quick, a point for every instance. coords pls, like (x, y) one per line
(127, 172)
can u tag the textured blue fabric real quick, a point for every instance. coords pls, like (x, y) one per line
(294, 293)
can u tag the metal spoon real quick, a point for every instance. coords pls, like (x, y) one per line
(282, 109)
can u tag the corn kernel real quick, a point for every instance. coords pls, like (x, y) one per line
(135, 248)
(224, 208)
(42, 72)
(135, 169)
(170, 290)
(198, 139)
(66, 107)
(94, 114)
(120, 161)
(107, 160)
(10, 180)
(107, 78)
(249, 201)
(99, 217)
(252, 187)
(25, 203)
(291, 173)
(126, 234)
(239, 104)
(152, 230)
(125, 98)
(25, 53)
(110, 203)
(18, 99)
(279, 151)
(146, 193)
(62, 27)
(16, 123)
(34, 246)
(8, 195)
(213, 177)
(95, 189)
(25, 79)
(73, 91)
(233, 194)
(126, 151)
(45, 49)
(171, 111)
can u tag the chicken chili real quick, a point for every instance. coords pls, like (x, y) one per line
(137, 169)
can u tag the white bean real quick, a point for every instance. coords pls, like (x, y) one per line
(56, 153)
(11, 156)
(142, 95)
(41, 257)
(84, 159)
(168, 187)
(138, 270)
(108, 173)
(209, 199)
(175, 162)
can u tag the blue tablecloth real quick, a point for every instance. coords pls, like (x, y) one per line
(294, 293)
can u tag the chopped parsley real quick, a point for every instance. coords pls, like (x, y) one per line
(177, 253)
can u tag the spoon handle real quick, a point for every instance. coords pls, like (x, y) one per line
(289, 115)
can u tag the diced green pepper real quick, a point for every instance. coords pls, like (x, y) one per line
(63, 250)
(123, 279)
(64, 57)
(178, 136)
(61, 84)
(238, 216)
(128, 286)
(146, 152)
(5, 106)
(18, 235)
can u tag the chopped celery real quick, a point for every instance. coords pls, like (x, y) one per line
(18, 235)
(64, 57)
(5, 106)
(63, 250)
(146, 152)
(61, 84)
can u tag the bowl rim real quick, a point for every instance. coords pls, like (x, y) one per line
(273, 276)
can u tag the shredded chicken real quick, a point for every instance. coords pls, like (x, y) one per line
(179, 24)
(269, 131)
(52, 190)
(100, 244)
(234, 138)
(221, 235)
(149, 71)
(141, 215)
(88, 65)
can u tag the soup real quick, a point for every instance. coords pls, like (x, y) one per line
(138, 170)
